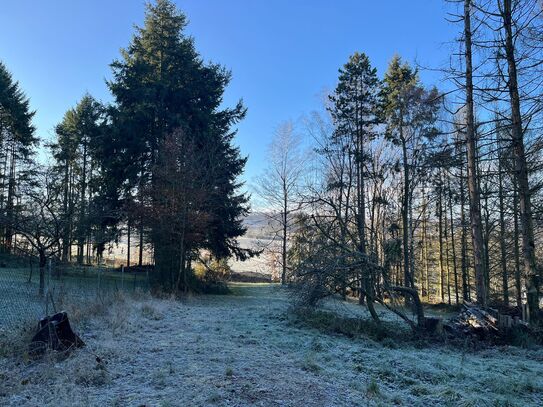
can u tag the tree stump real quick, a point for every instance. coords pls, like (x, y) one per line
(55, 333)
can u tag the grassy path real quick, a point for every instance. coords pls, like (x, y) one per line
(241, 350)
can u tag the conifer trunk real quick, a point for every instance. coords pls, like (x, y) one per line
(503, 256)
(516, 248)
(521, 166)
(453, 244)
(473, 188)
(440, 239)
(463, 241)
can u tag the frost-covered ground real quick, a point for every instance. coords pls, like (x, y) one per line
(242, 350)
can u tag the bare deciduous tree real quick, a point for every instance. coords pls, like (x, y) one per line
(279, 187)
(37, 221)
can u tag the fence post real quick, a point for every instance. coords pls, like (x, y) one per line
(525, 313)
(47, 285)
(99, 281)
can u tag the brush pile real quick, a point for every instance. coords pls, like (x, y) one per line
(481, 322)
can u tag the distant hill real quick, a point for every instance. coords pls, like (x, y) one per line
(259, 225)
(260, 235)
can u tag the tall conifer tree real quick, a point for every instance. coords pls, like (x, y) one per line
(162, 87)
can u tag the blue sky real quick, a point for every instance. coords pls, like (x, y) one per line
(283, 54)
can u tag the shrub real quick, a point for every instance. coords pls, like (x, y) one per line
(210, 276)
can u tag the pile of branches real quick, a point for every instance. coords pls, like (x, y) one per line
(482, 323)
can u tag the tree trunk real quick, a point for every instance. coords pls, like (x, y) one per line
(182, 274)
(43, 263)
(140, 254)
(9, 202)
(447, 259)
(453, 244)
(284, 236)
(516, 248)
(503, 256)
(82, 209)
(425, 281)
(408, 278)
(475, 212)
(128, 230)
(440, 238)
(66, 223)
(361, 211)
(464, 243)
(486, 241)
(373, 233)
(521, 168)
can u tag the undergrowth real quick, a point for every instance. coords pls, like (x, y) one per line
(390, 335)
(328, 322)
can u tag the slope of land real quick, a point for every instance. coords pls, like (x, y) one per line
(244, 350)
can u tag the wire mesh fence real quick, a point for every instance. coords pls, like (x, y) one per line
(26, 294)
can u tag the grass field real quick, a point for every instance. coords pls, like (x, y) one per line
(246, 349)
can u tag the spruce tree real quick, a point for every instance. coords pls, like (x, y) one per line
(162, 87)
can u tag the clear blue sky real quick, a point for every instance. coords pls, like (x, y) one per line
(282, 53)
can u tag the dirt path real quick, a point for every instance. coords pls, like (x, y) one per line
(240, 350)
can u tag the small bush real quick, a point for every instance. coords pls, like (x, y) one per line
(210, 277)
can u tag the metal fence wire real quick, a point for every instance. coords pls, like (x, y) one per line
(21, 301)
